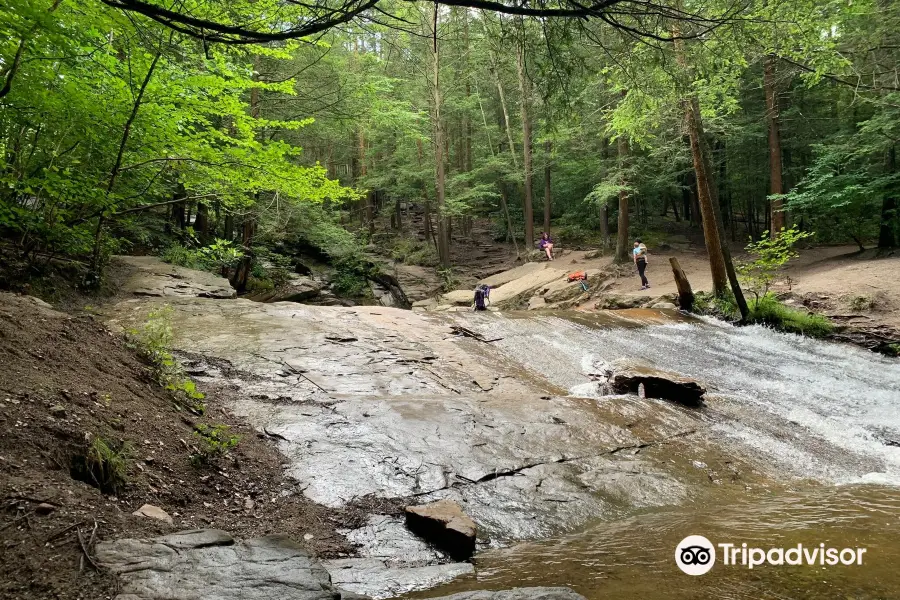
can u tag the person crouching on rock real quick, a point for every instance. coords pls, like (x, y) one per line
(640, 255)
(546, 244)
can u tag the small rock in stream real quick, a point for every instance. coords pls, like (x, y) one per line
(444, 524)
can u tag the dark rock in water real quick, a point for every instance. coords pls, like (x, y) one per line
(628, 377)
(209, 564)
(529, 593)
(444, 524)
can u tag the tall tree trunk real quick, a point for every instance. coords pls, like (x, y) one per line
(509, 135)
(548, 147)
(705, 197)
(443, 231)
(604, 210)
(776, 182)
(525, 88)
(228, 227)
(201, 223)
(887, 233)
(623, 248)
(720, 264)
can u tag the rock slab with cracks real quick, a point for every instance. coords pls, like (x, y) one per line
(444, 524)
(208, 564)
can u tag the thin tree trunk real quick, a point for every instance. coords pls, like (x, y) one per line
(548, 147)
(622, 246)
(438, 128)
(887, 233)
(776, 182)
(525, 89)
(117, 165)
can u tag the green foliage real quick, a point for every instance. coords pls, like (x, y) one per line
(413, 252)
(448, 279)
(770, 256)
(177, 254)
(351, 276)
(153, 342)
(270, 269)
(103, 464)
(767, 310)
(215, 443)
(220, 256)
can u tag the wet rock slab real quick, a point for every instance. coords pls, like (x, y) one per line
(208, 564)
(392, 561)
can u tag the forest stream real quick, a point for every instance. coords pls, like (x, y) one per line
(797, 442)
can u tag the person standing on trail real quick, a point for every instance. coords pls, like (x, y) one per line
(546, 244)
(640, 255)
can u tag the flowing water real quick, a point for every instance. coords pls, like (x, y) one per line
(827, 415)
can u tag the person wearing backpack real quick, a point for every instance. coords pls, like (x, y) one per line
(640, 255)
(482, 296)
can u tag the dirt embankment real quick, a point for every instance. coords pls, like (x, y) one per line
(67, 381)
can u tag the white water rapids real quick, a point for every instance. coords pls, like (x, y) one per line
(822, 410)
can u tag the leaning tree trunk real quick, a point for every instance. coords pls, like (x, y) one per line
(623, 253)
(705, 197)
(776, 168)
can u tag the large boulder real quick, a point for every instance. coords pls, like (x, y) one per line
(149, 276)
(628, 377)
(444, 524)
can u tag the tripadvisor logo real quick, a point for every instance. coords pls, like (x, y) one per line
(696, 555)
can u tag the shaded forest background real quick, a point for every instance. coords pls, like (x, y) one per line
(239, 139)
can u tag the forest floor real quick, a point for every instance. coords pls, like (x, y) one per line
(834, 280)
(68, 380)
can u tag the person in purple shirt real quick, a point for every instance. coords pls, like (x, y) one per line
(546, 244)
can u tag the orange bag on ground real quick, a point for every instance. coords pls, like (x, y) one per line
(577, 276)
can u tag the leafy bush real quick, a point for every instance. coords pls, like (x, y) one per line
(219, 257)
(215, 443)
(352, 274)
(177, 254)
(448, 279)
(770, 255)
(767, 310)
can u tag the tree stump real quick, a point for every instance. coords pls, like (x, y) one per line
(685, 294)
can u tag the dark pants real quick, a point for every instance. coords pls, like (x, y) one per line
(642, 266)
